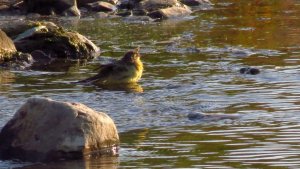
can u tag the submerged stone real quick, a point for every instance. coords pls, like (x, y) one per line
(211, 117)
(44, 130)
(249, 70)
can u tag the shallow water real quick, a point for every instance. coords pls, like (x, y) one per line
(191, 65)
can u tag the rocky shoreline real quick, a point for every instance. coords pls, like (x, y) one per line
(155, 9)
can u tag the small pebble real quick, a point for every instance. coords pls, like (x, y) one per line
(249, 70)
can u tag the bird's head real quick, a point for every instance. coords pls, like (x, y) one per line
(132, 56)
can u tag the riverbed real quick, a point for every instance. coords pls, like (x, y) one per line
(191, 65)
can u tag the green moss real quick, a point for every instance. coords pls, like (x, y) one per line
(5, 55)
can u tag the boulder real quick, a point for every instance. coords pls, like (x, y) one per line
(52, 7)
(171, 12)
(55, 42)
(46, 130)
(7, 47)
(101, 6)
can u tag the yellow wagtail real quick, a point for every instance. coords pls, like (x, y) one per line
(128, 69)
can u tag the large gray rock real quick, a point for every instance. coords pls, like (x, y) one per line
(49, 7)
(7, 47)
(44, 130)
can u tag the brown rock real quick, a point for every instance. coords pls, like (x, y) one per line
(57, 42)
(101, 6)
(171, 12)
(4, 8)
(43, 130)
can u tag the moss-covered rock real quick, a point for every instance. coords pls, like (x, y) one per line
(7, 47)
(55, 41)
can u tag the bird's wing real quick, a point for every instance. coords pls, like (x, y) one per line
(104, 72)
(110, 70)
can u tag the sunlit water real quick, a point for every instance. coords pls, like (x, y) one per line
(191, 65)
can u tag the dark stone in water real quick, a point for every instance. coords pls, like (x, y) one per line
(249, 70)
(50, 7)
(40, 56)
(195, 116)
(196, 2)
(211, 117)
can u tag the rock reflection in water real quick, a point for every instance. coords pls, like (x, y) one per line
(6, 77)
(87, 163)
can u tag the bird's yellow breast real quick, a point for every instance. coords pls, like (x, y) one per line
(131, 74)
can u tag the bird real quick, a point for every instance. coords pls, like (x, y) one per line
(128, 69)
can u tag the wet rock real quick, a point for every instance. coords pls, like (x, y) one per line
(196, 2)
(55, 42)
(10, 58)
(14, 29)
(18, 61)
(101, 6)
(7, 47)
(52, 7)
(41, 57)
(171, 12)
(85, 2)
(45, 130)
(153, 5)
(249, 70)
(156, 8)
(4, 8)
(211, 117)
